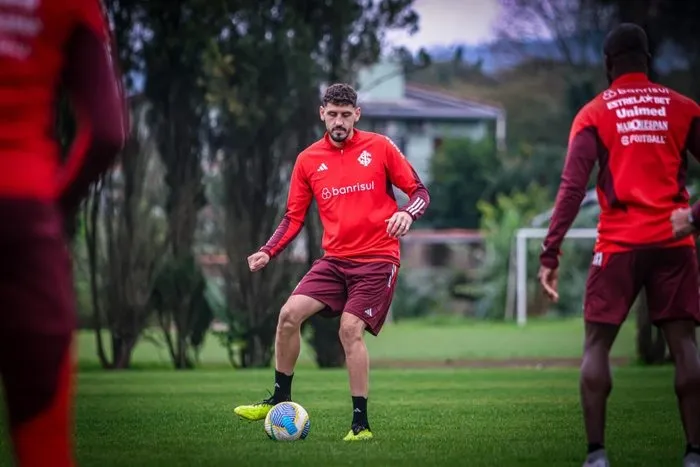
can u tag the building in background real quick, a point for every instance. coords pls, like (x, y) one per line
(419, 118)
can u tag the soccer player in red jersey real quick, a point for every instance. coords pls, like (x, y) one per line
(639, 132)
(350, 174)
(45, 45)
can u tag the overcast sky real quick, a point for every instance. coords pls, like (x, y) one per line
(443, 22)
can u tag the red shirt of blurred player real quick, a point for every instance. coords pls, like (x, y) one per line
(638, 132)
(44, 45)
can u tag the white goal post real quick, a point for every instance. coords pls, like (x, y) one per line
(521, 241)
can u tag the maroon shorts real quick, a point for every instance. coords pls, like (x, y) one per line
(669, 277)
(36, 278)
(37, 311)
(362, 289)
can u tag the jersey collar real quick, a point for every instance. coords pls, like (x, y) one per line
(629, 78)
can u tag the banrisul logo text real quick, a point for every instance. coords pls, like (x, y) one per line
(331, 191)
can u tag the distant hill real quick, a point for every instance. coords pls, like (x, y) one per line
(499, 55)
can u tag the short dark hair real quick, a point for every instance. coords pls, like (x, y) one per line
(627, 45)
(340, 94)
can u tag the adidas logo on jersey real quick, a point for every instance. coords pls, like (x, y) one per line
(322, 167)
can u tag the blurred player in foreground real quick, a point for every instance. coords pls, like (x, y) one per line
(43, 45)
(350, 174)
(640, 133)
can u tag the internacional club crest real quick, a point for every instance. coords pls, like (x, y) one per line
(365, 158)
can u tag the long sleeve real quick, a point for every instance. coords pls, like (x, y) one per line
(95, 89)
(580, 159)
(298, 202)
(404, 177)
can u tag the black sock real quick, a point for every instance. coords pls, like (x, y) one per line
(593, 447)
(283, 387)
(359, 411)
(692, 449)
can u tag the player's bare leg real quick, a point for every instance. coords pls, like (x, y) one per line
(595, 387)
(682, 343)
(294, 312)
(352, 331)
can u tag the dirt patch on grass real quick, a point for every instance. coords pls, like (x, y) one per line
(492, 363)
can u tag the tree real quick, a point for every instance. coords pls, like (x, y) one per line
(576, 28)
(499, 221)
(185, 329)
(126, 241)
(253, 77)
(161, 42)
(454, 202)
(352, 32)
(172, 60)
(677, 23)
(528, 163)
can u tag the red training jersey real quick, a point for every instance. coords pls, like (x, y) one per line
(639, 132)
(352, 186)
(36, 40)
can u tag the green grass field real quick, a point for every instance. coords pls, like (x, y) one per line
(431, 340)
(437, 416)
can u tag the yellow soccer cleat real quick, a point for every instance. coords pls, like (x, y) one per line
(255, 412)
(358, 433)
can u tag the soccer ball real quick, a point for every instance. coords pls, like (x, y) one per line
(287, 421)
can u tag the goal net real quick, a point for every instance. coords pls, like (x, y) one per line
(523, 238)
(524, 259)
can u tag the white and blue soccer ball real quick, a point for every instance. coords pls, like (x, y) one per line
(287, 421)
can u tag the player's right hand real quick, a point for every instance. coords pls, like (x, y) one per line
(681, 222)
(258, 260)
(549, 279)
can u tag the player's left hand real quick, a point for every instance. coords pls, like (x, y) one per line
(680, 221)
(398, 224)
(549, 279)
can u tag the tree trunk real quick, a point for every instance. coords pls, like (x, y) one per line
(177, 352)
(182, 362)
(651, 345)
(325, 340)
(256, 354)
(91, 211)
(122, 350)
(178, 346)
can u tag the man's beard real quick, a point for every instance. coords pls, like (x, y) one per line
(339, 134)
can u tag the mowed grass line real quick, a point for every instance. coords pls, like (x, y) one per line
(488, 417)
(435, 340)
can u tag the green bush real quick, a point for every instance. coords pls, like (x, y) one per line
(410, 302)
(499, 222)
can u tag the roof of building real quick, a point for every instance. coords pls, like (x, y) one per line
(422, 103)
